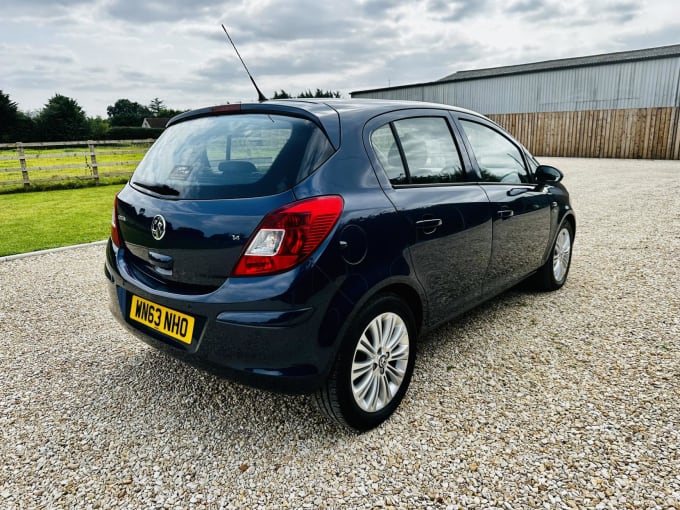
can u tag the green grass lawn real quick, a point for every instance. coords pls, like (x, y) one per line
(51, 219)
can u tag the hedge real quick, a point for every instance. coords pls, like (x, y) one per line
(132, 133)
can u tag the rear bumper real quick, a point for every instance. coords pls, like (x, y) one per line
(266, 342)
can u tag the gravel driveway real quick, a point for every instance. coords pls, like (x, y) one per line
(562, 400)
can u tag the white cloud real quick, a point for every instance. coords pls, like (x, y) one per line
(99, 51)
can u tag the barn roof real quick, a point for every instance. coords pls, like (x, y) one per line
(566, 63)
(155, 122)
(547, 65)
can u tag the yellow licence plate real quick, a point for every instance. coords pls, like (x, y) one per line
(169, 322)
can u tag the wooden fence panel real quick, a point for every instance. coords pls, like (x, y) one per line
(19, 167)
(644, 133)
(676, 134)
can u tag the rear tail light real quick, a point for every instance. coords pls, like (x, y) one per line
(287, 236)
(115, 227)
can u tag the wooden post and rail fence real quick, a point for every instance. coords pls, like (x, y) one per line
(95, 160)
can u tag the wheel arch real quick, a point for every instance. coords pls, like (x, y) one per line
(346, 307)
(566, 217)
(571, 219)
(410, 296)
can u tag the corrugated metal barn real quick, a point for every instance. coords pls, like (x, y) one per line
(620, 105)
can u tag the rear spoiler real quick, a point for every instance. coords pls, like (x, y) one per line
(321, 114)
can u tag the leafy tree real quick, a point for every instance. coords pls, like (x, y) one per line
(156, 107)
(62, 119)
(327, 93)
(168, 113)
(307, 94)
(26, 129)
(98, 127)
(127, 113)
(9, 116)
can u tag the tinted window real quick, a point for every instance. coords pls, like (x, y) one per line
(427, 148)
(232, 156)
(533, 164)
(387, 150)
(498, 158)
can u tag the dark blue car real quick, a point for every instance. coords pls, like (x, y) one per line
(304, 246)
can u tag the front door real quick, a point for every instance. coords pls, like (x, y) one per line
(520, 208)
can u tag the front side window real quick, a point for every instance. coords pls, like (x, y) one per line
(533, 164)
(499, 159)
(423, 152)
(232, 156)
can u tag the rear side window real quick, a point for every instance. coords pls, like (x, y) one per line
(423, 151)
(232, 156)
(387, 150)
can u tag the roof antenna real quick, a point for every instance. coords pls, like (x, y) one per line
(260, 95)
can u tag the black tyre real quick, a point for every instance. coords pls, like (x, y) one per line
(374, 365)
(553, 273)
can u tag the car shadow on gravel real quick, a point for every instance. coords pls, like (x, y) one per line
(153, 391)
(160, 392)
(519, 298)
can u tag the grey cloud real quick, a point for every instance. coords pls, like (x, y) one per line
(569, 15)
(431, 65)
(335, 62)
(42, 10)
(221, 70)
(25, 5)
(177, 51)
(665, 36)
(416, 66)
(34, 77)
(284, 22)
(527, 6)
(134, 76)
(42, 3)
(380, 10)
(459, 10)
(540, 10)
(152, 11)
(60, 59)
(617, 12)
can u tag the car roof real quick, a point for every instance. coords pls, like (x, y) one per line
(367, 107)
(327, 113)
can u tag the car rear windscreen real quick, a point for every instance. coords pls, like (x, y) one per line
(232, 156)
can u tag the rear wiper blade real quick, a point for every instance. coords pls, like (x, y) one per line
(161, 189)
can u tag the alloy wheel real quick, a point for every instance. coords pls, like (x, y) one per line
(380, 361)
(561, 255)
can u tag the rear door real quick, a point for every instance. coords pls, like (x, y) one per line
(520, 208)
(425, 176)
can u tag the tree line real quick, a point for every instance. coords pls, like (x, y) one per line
(306, 94)
(63, 119)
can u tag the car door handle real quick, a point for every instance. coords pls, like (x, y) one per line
(429, 224)
(505, 213)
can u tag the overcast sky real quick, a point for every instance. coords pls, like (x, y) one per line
(98, 51)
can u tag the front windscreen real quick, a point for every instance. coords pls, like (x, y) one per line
(232, 156)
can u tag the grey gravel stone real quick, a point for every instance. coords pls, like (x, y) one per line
(562, 400)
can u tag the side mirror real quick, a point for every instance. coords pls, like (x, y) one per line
(545, 174)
